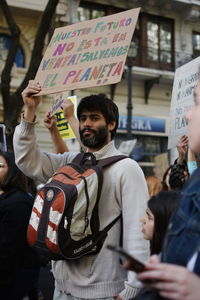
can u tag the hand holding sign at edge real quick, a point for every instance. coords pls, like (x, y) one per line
(58, 143)
(50, 121)
(68, 109)
(182, 146)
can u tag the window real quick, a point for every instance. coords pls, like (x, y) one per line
(88, 10)
(85, 13)
(5, 42)
(153, 42)
(152, 45)
(135, 43)
(196, 44)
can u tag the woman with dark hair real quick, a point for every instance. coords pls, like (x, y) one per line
(19, 264)
(159, 211)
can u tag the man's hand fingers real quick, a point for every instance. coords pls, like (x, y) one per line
(32, 88)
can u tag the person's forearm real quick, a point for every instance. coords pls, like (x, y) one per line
(29, 114)
(191, 155)
(74, 123)
(59, 144)
(181, 158)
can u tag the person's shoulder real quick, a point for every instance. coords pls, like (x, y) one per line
(18, 202)
(12, 193)
(127, 161)
(66, 156)
(17, 196)
(127, 166)
(58, 160)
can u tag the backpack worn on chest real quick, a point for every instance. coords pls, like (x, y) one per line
(64, 223)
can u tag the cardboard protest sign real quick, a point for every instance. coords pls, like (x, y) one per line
(87, 54)
(126, 147)
(161, 165)
(58, 100)
(185, 82)
(64, 127)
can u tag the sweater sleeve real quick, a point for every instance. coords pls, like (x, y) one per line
(134, 197)
(31, 161)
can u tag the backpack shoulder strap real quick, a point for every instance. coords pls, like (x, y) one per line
(108, 227)
(77, 159)
(82, 157)
(105, 162)
(85, 157)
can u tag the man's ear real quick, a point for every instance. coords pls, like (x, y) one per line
(111, 126)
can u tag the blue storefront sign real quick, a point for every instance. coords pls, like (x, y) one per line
(142, 124)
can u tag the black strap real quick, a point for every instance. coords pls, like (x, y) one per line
(107, 228)
(81, 158)
(121, 233)
(105, 162)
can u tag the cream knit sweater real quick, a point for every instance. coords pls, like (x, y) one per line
(124, 190)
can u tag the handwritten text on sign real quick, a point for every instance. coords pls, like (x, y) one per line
(87, 54)
(185, 82)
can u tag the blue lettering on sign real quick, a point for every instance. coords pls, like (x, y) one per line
(142, 124)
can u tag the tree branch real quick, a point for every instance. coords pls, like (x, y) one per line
(13, 103)
(37, 52)
(15, 34)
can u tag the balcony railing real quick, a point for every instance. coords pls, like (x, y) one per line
(158, 59)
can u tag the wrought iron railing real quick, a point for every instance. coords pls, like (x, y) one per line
(166, 60)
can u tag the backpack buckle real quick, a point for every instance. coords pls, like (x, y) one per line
(88, 157)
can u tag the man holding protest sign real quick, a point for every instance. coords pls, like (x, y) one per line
(124, 190)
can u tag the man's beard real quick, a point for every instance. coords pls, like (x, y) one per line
(98, 139)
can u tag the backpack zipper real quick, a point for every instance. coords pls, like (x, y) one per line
(87, 204)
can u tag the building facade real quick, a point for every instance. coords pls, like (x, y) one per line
(167, 36)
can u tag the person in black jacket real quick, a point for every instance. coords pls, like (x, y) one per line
(19, 264)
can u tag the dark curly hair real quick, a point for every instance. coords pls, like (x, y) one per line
(178, 176)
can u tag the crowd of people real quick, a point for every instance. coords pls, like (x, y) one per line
(159, 223)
